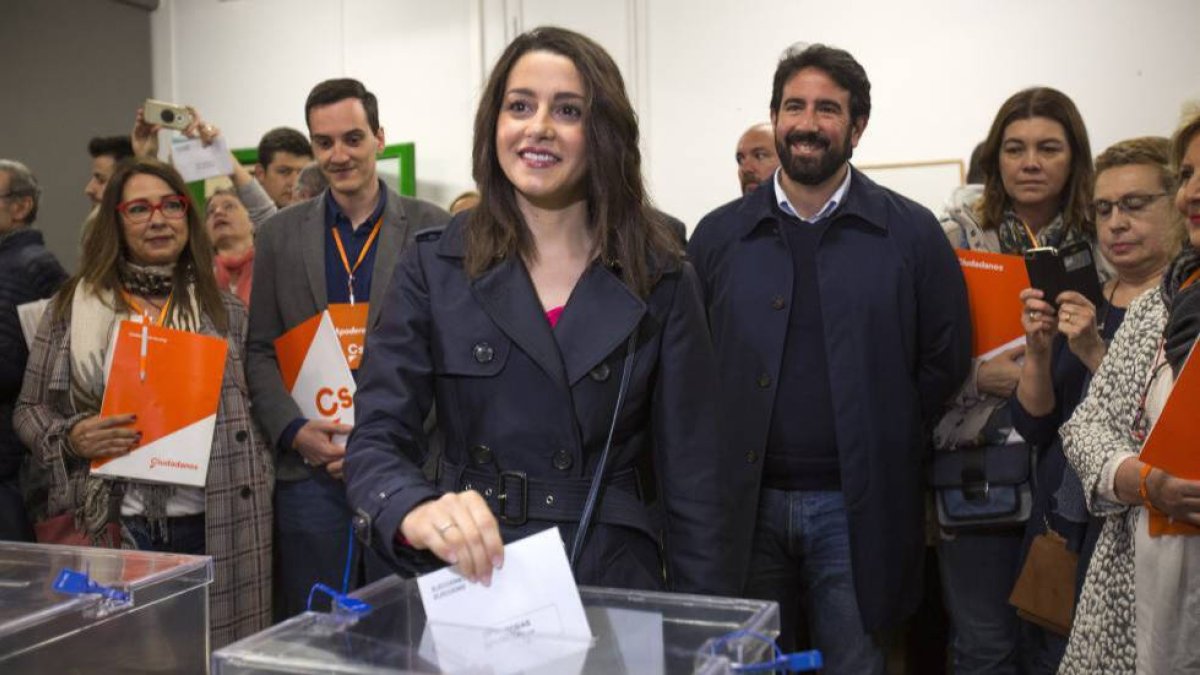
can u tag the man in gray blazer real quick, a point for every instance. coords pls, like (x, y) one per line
(336, 249)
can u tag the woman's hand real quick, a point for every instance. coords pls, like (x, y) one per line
(1000, 374)
(144, 136)
(98, 436)
(1077, 321)
(460, 529)
(1176, 497)
(206, 132)
(1039, 322)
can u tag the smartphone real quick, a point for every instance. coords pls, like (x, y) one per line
(1071, 268)
(169, 115)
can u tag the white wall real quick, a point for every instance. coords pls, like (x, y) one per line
(699, 70)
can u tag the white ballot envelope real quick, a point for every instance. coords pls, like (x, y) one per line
(530, 618)
(195, 161)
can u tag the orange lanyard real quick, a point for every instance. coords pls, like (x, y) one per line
(162, 318)
(1190, 280)
(138, 309)
(337, 239)
(1032, 237)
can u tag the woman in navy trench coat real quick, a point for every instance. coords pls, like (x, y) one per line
(517, 320)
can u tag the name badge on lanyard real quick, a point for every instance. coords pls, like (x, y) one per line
(350, 324)
(350, 319)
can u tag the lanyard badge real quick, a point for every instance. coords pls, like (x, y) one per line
(337, 239)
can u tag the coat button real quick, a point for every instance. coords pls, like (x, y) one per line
(751, 457)
(600, 373)
(764, 381)
(241, 436)
(777, 302)
(481, 454)
(483, 352)
(562, 460)
(246, 492)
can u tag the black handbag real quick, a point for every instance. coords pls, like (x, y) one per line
(983, 487)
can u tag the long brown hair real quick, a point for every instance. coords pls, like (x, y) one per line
(104, 249)
(627, 232)
(1076, 195)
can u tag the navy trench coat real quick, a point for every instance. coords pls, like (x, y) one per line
(897, 340)
(524, 410)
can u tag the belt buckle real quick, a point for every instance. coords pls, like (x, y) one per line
(502, 496)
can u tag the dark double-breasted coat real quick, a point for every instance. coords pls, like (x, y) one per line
(515, 395)
(897, 341)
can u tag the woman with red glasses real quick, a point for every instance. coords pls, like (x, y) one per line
(147, 255)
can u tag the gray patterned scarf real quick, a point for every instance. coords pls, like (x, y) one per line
(1015, 239)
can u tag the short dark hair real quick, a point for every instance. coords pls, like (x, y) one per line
(838, 64)
(282, 139)
(22, 183)
(117, 147)
(340, 89)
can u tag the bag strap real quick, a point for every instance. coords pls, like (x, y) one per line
(589, 506)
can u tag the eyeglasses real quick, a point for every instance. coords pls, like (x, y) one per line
(140, 211)
(1130, 204)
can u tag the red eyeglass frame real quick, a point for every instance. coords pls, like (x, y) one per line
(124, 206)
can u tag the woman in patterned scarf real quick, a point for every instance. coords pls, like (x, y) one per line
(1037, 166)
(147, 252)
(1140, 606)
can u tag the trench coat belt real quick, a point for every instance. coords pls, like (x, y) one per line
(515, 499)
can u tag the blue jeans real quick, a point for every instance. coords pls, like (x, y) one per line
(801, 559)
(184, 534)
(312, 523)
(312, 528)
(978, 574)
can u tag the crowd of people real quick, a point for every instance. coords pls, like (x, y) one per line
(755, 411)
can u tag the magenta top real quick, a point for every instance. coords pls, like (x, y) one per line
(553, 315)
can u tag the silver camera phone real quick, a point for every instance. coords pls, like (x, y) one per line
(169, 115)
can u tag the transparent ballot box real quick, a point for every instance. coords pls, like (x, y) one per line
(634, 632)
(143, 612)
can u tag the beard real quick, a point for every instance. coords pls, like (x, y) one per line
(813, 170)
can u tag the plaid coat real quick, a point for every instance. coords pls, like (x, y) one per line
(237, 493)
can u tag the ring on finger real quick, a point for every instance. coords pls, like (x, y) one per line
(1032, 315)
(1067, 317)
(442, 529)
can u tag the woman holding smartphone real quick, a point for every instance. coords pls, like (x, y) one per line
(552, 319)
(1038, 177)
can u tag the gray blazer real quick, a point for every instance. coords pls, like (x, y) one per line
(289, 287)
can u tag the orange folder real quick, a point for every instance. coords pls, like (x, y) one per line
(175, 402)
(1174, 442)
(994, 282)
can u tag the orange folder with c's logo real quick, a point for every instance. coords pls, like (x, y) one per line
(170, 379)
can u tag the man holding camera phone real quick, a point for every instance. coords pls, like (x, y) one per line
(336, 249)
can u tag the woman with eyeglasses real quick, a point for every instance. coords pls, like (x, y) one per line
(1139, 232)
(147, 255)
(232, 235)
(1038, 175)
(1140, 606)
